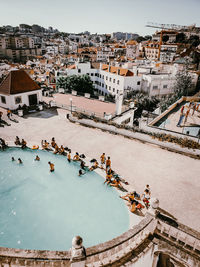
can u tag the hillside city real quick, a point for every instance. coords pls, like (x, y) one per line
(118, 106)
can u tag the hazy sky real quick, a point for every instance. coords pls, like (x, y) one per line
(102, 16)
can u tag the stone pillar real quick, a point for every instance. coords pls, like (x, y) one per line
(154, 205)
(119, 101)
(78, 253)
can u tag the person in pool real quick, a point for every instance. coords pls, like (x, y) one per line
(37, 158)
(13, 159)
(20, 161)
(69, 156)
(81, 172)
(51, 166)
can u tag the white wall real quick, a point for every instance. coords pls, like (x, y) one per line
(10, 100)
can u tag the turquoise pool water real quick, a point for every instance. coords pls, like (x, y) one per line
(43, 210)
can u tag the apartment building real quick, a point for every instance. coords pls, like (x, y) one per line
(151, 50)
(107, 79)
(168, 52)
(132, 49)
(104, 54)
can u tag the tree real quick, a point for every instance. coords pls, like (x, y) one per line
(180, 37)
(165, 38)
(140, 39)
(183, 85)
(194, 40)
(81, 84)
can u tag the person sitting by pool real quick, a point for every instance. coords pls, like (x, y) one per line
(13, 159)
(136, 206)
(61, 150)
(94, 166)
(23, 144)
(108, 163)
(56, 149)
(69, 156)
(82, 165)
(116, 183)
(20, 161)
(37, 158)
(53, 142)
(17, 141)
(51, 166)
(103, 159)
(45, 145)
(146, 197)
(148, 187)
(76, 157)
(3, 144)
(129, 197)
(81, 172)
(108, 176)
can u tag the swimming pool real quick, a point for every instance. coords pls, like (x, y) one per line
(43, 210)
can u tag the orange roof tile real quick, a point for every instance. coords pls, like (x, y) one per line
(114, 70)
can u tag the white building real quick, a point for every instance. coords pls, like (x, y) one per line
(105, 53)
(22, 90)
(107, 79)
(168, 52)
(132, 49)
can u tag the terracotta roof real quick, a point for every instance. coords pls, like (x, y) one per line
(114, 70)
(18, 81)
(131, 42)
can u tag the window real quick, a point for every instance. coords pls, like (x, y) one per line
(113, 80)
(110, 79)
(118, 82)
(3, 99)
(106, 78)
(18, 100)
(109, 87)
(106, 86)
(79, 70)
(117, 91)
(100, 75)
(103, 76)
(138, 83)
(155, 87)
(113, 90)
(92, 74)
(165, 86)
(96, 74)
(102, 85)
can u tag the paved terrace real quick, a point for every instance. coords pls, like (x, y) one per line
(173, 178)
(93, 105)
(193, 120)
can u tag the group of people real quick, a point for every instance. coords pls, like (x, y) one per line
(136, 202)
(21, 143)
(185, 112)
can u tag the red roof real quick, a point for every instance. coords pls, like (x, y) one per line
(17, 81)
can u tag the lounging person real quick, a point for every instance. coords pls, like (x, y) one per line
(45, 145)
(20, 161)
(17, 141)
(69, 156)
(136, 206)
(9, 113)
(53, 143)
(146, 197)
(108, 163)
(108, 176)
(37, 158)
(76, 157)
(61, 150)
(94, 166)
(116, 183)
(82, 165)
(103, 159)
(23, 144)
(56, 149)
(148, 188)
(3, 144)
(51, 166)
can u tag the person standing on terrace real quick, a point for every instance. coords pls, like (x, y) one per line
(108, 163)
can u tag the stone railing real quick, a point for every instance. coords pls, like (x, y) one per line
(117, 248)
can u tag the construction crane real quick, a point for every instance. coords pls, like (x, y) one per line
(170, 27)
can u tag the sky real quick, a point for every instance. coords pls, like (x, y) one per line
(102, 16)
